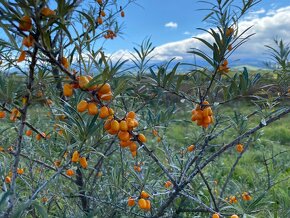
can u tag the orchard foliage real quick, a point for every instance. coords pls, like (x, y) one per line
(82, 135)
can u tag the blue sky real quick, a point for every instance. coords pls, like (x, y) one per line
(171, 22)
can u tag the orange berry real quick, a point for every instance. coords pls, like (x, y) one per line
(148, 205)
(131, 115)
(133, 147)
(44, 199)
(142, 203)
(25, 23)
(92, 108)
(100, 21)
(105, 97)
(167, 184)
(112, 132)
(103, 14)
(83, 82)
(14, 114)
(144, 194)
(8, 179)
(216, 215)
(82, 106)
(20, 171)
(239, 148)
(104, 112)
(107, 124)
(229, 31)
(21, 56)
(104, 88)
(100, 2)
(130, 123)
(122, 14)
(230, 47)
(142, 138)
(64, 62)
(134, 153)
(234, 216)
(190, 148)
(70, 172)
(28, 132)
(67, 90)
(123, 125)
(233, 200)
(111, 111)
(2, 114)
(124, 135)
(135, 123)
(246, 196)
(47, 12)
(40, 136)
(115, 126)
(125, 144)
(75, 157)
(83, 162)
(207, 120)
(131, 202)
(137, 168)
(28, 41)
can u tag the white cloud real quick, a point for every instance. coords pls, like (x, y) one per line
(171, 24)
(187, 33)
(266, 28)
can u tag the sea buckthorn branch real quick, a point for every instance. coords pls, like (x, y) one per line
(195, 199)
(157, 161)
(45, 165)
(98, 165)
(196, 159)
(229, 176)
(90, 29)
(21, 131)
(99, 200)
(213, 136)
(209, 190)
(268, 172)
(177, 191)
(50, 56)
(237, 140)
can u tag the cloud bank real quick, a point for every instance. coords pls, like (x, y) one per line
(266, 25)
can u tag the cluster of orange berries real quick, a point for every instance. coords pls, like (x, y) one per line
(245, 196)
(76, 158)
(138, 167)
(110, 34)
(123, 129)
(143, 201)
(202, 114)
(216, 215)
(223, 68)
(103, 90)
(15, 113)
